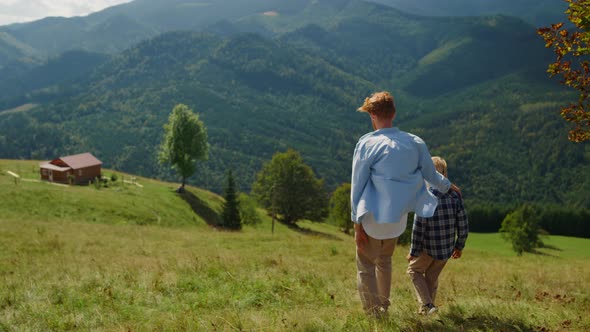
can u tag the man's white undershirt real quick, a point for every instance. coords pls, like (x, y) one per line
(384, 231)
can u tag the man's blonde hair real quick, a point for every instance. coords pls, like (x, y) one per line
(380, 104)
(440, 165)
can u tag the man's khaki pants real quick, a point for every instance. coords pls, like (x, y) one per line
(373, 264)
(424, 272)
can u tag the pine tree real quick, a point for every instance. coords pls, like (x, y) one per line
(231, 208)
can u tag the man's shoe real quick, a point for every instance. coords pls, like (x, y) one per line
(422, 310)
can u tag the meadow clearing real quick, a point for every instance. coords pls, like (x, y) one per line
(129, 258)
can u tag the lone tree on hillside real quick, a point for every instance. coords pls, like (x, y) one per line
(521, 228)
(184, 143)
(572, 48)
(288, 188)
(340, 207)
(231, 208)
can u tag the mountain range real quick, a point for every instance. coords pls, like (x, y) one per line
(119, 27)
(270, 75)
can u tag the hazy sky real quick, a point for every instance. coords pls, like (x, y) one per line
(12, 11)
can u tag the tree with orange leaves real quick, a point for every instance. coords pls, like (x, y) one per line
(572, 48)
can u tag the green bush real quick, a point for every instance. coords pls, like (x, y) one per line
(248, 211)
(339, 208)
(521, 229)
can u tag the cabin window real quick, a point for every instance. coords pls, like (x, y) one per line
(44, 171)
(79, 172)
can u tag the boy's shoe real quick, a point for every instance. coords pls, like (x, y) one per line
(379, 313)
(428, 309)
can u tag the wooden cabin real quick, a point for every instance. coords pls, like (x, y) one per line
(79, 169)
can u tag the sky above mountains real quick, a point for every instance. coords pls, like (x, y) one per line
(14, 11)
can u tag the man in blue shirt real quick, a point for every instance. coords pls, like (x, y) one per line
(389, 170)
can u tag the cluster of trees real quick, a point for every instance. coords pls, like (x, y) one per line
(553, 219)
(285, 186)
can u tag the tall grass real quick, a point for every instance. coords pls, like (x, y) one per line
(64, 273)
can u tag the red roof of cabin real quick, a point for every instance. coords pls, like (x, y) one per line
(80, 160)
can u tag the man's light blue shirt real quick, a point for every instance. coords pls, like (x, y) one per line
(389, 170)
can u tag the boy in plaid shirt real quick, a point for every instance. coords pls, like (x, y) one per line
(434, 241)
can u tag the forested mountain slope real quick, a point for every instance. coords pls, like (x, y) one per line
(256, 97)
(474, 88)
(536, 12)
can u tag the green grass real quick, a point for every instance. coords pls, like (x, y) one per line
(557, 247)
(70, 272)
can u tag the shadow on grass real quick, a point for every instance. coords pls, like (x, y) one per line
(477, 322)
(540, 253)
(201, 208)
(551, 247)
(308, 231)
(547, 247)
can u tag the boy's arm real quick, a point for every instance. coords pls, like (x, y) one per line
(462, 225)
(417, 236)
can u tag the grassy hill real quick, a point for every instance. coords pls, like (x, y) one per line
(78, 258)
(144, 202)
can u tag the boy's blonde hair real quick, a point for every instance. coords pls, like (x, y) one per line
(380, 104)
(440, 165)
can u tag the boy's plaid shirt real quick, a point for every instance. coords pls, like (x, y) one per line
(436, 234)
